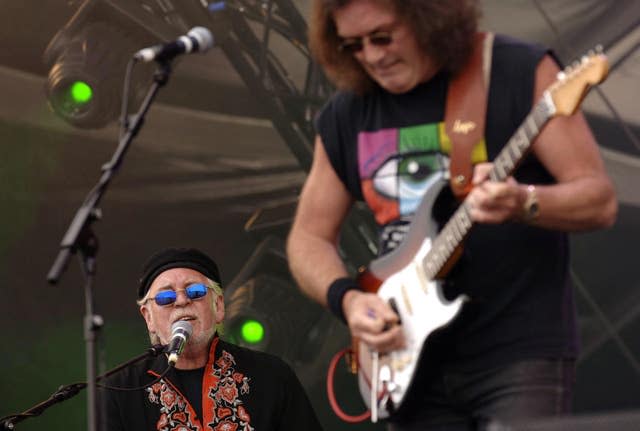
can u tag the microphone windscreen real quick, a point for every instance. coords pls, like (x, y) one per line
(182, 326)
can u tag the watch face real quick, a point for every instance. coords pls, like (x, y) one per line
(531, 206)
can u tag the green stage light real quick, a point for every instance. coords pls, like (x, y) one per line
(81, 92)
(86, 71)
(252, 331)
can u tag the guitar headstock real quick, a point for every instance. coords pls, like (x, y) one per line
(575, 81)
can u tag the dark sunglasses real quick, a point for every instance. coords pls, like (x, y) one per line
(167, 297)
(352, 45)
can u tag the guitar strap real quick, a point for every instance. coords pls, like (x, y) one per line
(465, 113)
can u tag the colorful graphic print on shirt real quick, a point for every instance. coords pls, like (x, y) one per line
(397, 166)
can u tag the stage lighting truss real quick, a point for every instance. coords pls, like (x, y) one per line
(266, 42)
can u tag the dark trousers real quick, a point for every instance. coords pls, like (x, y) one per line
(469, 401)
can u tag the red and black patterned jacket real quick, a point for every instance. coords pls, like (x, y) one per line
(241, 390)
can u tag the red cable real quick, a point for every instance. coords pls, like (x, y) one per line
(332, 398)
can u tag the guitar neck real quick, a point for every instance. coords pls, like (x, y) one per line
(504, 164)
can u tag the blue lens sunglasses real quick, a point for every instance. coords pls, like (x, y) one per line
(168, 297)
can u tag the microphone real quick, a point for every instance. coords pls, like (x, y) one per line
(198, 39)
(180, 333)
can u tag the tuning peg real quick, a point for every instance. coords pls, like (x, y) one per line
(585, 59)
(561, 76)
(599, 49)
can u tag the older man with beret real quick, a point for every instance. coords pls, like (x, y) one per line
(214, 385)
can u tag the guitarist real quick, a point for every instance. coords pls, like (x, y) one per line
(510, 352)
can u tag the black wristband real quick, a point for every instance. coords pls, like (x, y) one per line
(337, 289)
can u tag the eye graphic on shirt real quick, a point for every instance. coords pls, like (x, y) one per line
(405, 177)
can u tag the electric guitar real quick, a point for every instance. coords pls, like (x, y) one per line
(407, 278)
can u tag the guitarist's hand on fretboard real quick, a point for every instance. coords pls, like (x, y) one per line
(495, 201)
(372, 321)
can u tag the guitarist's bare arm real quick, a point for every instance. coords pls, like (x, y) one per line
(583, 197)
(314, 259)
(312, 243)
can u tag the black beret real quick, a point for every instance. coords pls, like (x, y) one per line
(176, 258)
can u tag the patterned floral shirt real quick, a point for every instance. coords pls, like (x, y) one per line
(242, 390)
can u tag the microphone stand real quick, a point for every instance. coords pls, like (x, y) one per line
(80, 237)
(69, 391)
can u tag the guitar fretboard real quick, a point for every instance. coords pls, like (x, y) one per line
(505, 163)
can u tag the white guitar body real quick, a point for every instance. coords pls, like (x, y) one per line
(419, 301)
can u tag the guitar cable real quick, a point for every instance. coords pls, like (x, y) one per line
(332, 396)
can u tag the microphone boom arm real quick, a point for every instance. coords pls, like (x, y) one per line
(69, 391)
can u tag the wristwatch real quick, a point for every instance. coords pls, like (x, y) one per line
(531, 209)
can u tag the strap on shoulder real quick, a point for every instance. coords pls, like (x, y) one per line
(465, 112)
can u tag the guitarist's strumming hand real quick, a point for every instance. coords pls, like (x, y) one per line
(372, 321)
(494, 201)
